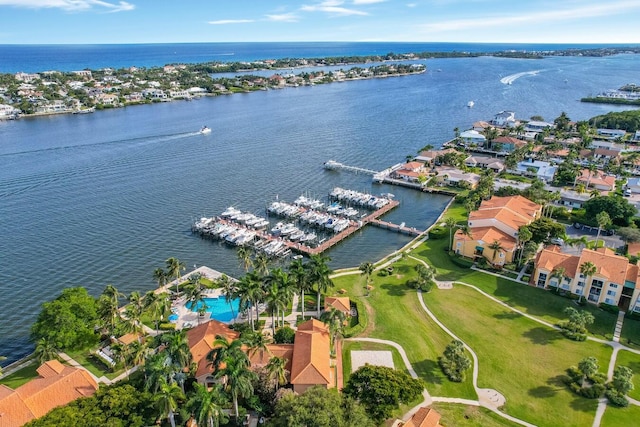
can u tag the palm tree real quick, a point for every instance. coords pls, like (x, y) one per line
(251, 292)
(160, 276)
(178, 353)
(261, 263)
(224, 349)
(603, 220)
(108, 308)
(334, 319)
(207, 406)
(367, 269)
(257, 342)
(275, 302)
(300, 277)
(496, 246)
(319, 273)
(156, 370)
(581, 241)
(174, 267)
(244, 256)
(158, 305)
(166, 400)
(45, 350)
(524, 235)
(587, 269)
(138, 352)
(238, 378)
(276, 371)
(451, 223)
(558, 273)
(592, 168)
(229, 290)
(194, 294)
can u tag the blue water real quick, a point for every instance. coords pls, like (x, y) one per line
(36, 58)
(106, 197)
(219, 308)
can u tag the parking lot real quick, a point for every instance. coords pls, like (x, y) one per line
(590, 233)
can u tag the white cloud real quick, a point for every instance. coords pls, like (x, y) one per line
(411, 5)
(230, 21)
(368, 1)
(590, 11)
(71, 5)
(333, 7)
(283, 17)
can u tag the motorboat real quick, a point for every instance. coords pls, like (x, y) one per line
(205, 130)
(470, 104)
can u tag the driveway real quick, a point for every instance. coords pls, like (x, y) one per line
(612, 242)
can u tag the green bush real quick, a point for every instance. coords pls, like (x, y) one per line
(461, 262)
(438, 232)
(610, 308)
(616, 399)
(166, 326)
(284, 335)
(362, 320)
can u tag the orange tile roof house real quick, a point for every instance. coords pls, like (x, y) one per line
(424, 417)
(497, 219)
(57, 385)
(598, 180)
(339, 303)
(308, 359)
(615, 282)
(311, 357)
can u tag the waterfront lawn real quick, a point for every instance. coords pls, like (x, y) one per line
(454, 414)
(394, 313)
(458, 212)
(631, 361)
(93, 364)
(21, 376)
(531, 300)
(616, 417)
(520, 358)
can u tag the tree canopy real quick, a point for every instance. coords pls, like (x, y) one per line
(618, 208)
(381, 390)
(68, 321)
(544, 228)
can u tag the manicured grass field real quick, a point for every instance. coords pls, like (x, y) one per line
(519, 357)
(631, 361)
(616, 417)
(534, 301)
(348, 346)
(21, 376)
(93, 364)
(630, 335)
(456, 415)
(395, 314)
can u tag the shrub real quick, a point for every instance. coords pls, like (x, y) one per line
(592, 392)
(610, 308)
(438, 232)
(284, 335)
(616, 399)
(166, 326)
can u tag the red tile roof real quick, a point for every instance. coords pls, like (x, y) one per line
(311, 355)
(201, 340)
(340, 303)
(425, 417)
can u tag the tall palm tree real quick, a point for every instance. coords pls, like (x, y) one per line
(603, 220)
(524, 235)
(588, 269)
(283, 284)
(138, 352)
(275, 302)
(238, 379)
(45, 350)
(158, 305)
(450, 222)
(224, 349)
(496, 247)
(156, 370)
(109, 308)
(166, 400)
(174, 267)
(178, 352)
(300, 277)
(255, 293)
(319, 273)
(195, 295)
(160, 276)
(261, 263)
(334, 319)
(229, 290)
(558, 273)
(257, 342)
(367, 269)
(244, 256)
(207, 406)
(277, 372)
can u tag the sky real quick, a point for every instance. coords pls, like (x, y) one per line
(171, 21)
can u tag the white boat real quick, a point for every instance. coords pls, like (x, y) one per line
(205, 130)
(470, 104)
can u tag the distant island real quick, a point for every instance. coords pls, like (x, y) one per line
(628, 94)
(84, 91)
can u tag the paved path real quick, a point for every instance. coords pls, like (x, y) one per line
(618, 330)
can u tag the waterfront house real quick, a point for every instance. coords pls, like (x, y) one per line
(611, 133)
(605, 154)
(480, 126)
(504, 119)
(7, 111)
(615, 282)
(56, 385)
(447, 175)
(507, 143)
(537, 126)
(492, 163)
(496, 220)
(27, 77)
(473, 137)
(536, 168)
(411, 171)
(429, 157)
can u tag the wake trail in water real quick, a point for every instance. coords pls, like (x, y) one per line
(156, 138)
(513, 77)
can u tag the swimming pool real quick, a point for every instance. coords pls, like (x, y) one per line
(219, 308)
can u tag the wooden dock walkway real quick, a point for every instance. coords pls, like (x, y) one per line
(412, 231)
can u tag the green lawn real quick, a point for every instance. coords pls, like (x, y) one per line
(458, 212)
(630, 335)
(93, 364)
(616, 417)
(534, 301)
(21, 376)
(394, 313)
(455, 415)
(632, 361)
(519, 357)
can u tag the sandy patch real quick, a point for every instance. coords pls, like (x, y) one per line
(378, 358)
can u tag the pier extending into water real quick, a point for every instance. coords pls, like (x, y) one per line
(333, 165)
